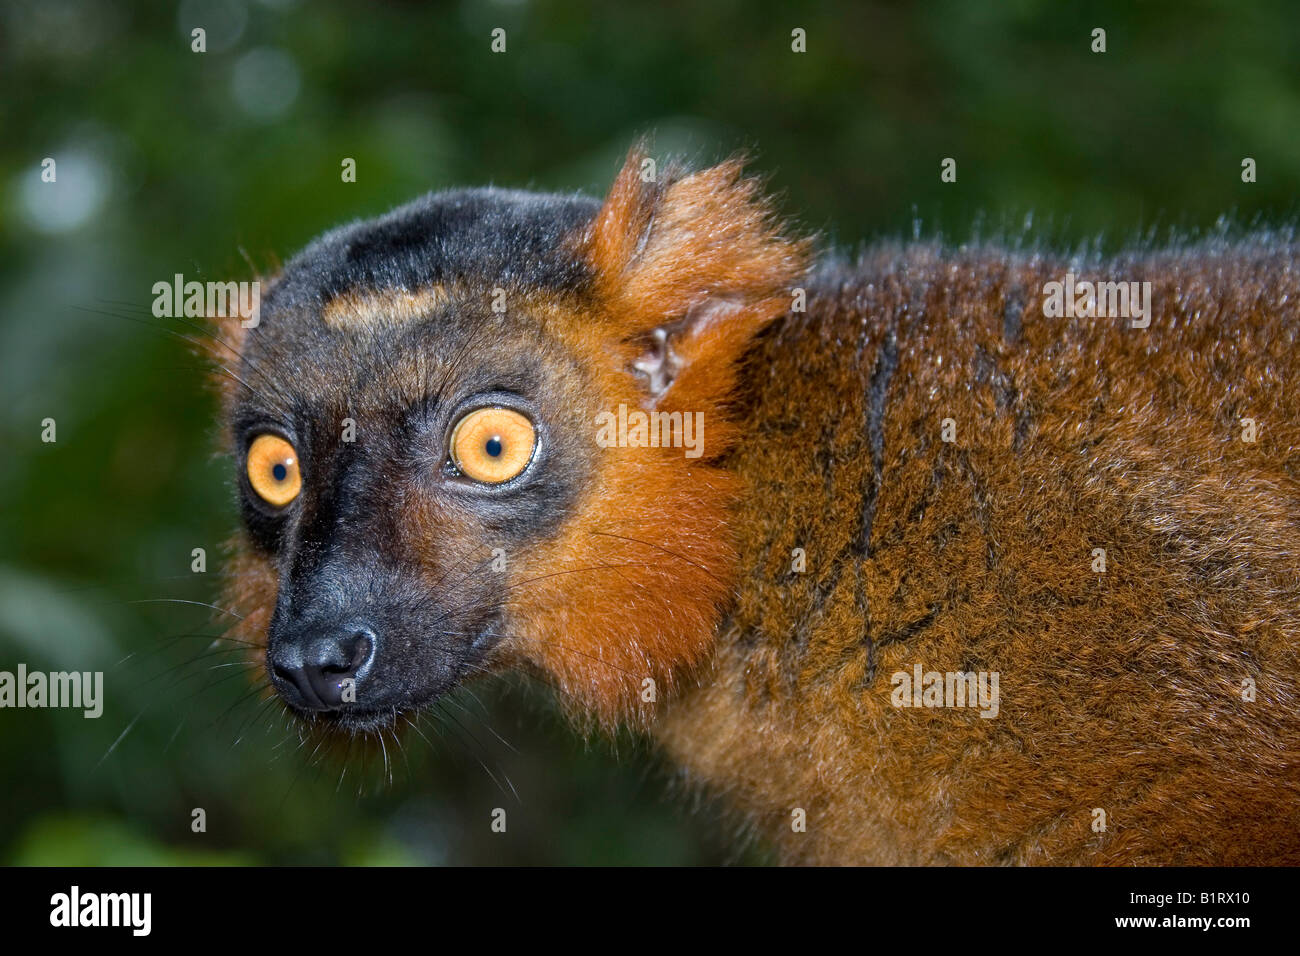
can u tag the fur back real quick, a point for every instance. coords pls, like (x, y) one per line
(1162, 691)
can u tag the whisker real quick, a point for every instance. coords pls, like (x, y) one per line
(186, 663)
(451, 699)
(214, 607)
(667, 551)
(214, 638)
(207, 333)
(120, 737)
(578, 651)
(470, 750)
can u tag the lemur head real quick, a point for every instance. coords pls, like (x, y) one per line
(433, 470)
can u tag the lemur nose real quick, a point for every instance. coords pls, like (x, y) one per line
(321, 667)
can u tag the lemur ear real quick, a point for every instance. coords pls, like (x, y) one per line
(690, 266)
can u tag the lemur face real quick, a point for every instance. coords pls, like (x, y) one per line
(392, 473)
(415, 428)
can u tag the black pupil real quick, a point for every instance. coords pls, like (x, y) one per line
(280, 471)
(494, 446)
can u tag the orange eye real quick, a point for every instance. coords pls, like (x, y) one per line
(273, 470)
(492, 445)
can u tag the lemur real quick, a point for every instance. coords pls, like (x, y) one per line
(910, 468)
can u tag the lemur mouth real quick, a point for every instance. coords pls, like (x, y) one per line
(324, 704)
(357, 720)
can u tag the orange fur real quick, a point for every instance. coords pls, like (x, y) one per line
(657, 524)
(383, 307)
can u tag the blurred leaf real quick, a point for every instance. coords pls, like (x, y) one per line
(75, 840)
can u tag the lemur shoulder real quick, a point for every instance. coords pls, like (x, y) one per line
(907, 472)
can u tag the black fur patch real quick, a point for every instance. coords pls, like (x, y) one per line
(496, 236)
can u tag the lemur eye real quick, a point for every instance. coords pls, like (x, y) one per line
(493, 445)
(273, 470)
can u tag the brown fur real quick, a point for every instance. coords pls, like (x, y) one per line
(1120, 691)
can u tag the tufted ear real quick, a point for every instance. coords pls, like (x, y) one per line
(689, 267)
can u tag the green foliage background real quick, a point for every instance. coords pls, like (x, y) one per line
(172, 161)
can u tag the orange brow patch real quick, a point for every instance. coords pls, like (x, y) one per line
(367, 309)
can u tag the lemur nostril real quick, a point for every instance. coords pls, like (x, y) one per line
(336, 659)
(361, 647)
(298, 678)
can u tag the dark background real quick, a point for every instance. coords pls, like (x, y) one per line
(219, 164)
